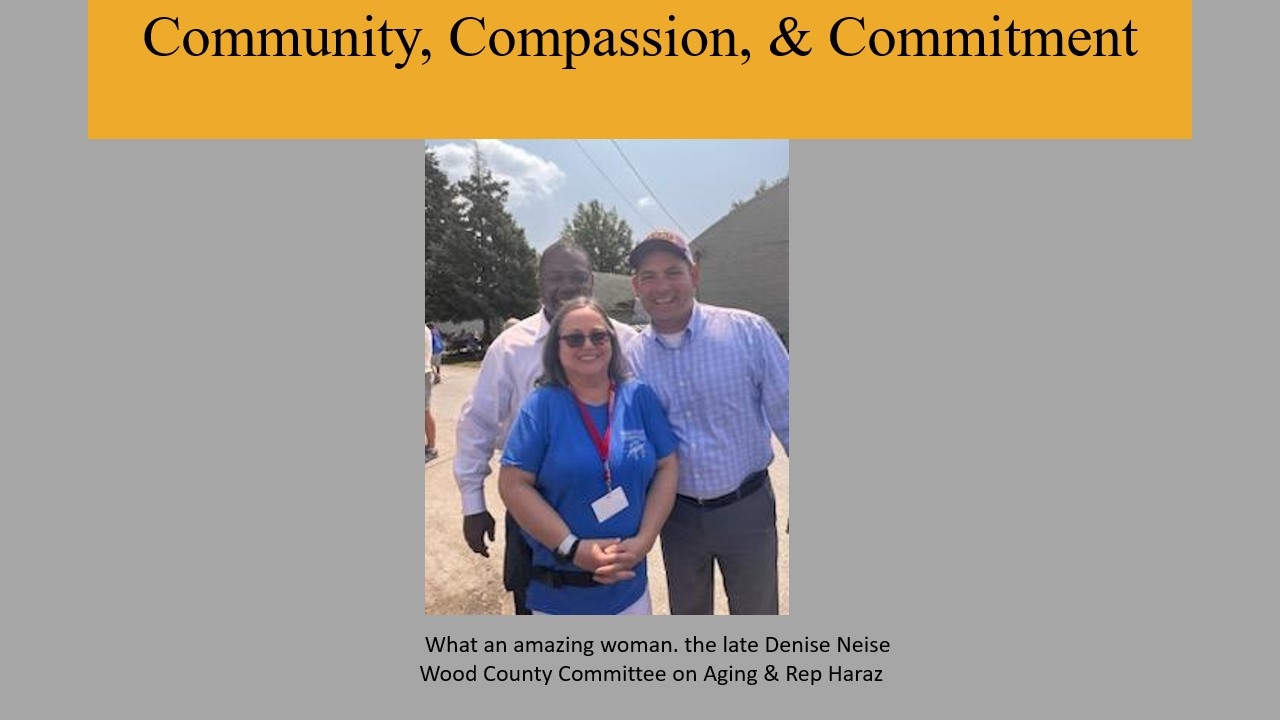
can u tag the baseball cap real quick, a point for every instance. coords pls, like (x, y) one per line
(669, 240)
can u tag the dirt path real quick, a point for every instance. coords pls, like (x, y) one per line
(459, 582)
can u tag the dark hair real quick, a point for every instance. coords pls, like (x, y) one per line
(553, 370)
(564, 245)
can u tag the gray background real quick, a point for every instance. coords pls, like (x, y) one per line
(1035, 409)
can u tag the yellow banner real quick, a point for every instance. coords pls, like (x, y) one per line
(824, 69)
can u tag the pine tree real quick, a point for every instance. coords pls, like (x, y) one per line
(501, 268)
(450, 271)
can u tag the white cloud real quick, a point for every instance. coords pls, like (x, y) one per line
(645, 202)
(529, 177)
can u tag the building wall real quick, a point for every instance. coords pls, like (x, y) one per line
(619, 300)
(744, 258)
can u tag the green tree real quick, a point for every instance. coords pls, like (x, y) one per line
(605, 236)
(501, 269)
(450, 266)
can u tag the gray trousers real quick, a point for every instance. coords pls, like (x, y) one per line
(742, 538)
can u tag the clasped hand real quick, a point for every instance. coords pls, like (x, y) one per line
(610, 560)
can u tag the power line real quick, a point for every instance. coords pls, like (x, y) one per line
(609, 180)
(652, 194)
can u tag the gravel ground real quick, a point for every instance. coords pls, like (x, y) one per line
(460, 582)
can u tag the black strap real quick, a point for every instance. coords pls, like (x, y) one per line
(560, 578)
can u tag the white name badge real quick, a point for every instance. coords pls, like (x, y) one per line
(610, 504)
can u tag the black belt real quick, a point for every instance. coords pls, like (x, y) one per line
(559, 578)
(753, 483)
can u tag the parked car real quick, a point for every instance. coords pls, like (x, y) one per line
(467, 347)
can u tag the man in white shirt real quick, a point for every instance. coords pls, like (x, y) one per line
(511, 366)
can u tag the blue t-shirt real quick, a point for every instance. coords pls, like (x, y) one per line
(549, 440)
(437, 342)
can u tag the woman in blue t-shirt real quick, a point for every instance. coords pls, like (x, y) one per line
(589, 472)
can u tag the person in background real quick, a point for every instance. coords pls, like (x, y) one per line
(430, 420)
(437, 350)
(589, 472)
(511, 366)
(722, 375)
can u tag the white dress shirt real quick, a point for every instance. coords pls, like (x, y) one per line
(511, 366)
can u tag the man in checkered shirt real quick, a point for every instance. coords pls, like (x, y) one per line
(722, 375)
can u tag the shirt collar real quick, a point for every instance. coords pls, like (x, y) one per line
(696, 321)
(541, 325)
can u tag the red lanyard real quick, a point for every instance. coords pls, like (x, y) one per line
(600, 440)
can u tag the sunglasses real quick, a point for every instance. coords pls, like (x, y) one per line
(576, 340)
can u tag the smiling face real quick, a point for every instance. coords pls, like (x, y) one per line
(564, 273)
(665, 283)
(590, 331)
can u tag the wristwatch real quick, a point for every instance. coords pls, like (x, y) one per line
(567, 549)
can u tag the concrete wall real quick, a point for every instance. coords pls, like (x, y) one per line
(744, 258)
(619, 300)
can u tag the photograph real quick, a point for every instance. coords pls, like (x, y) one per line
(607, 374)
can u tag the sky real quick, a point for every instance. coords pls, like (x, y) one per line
(686, 185)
